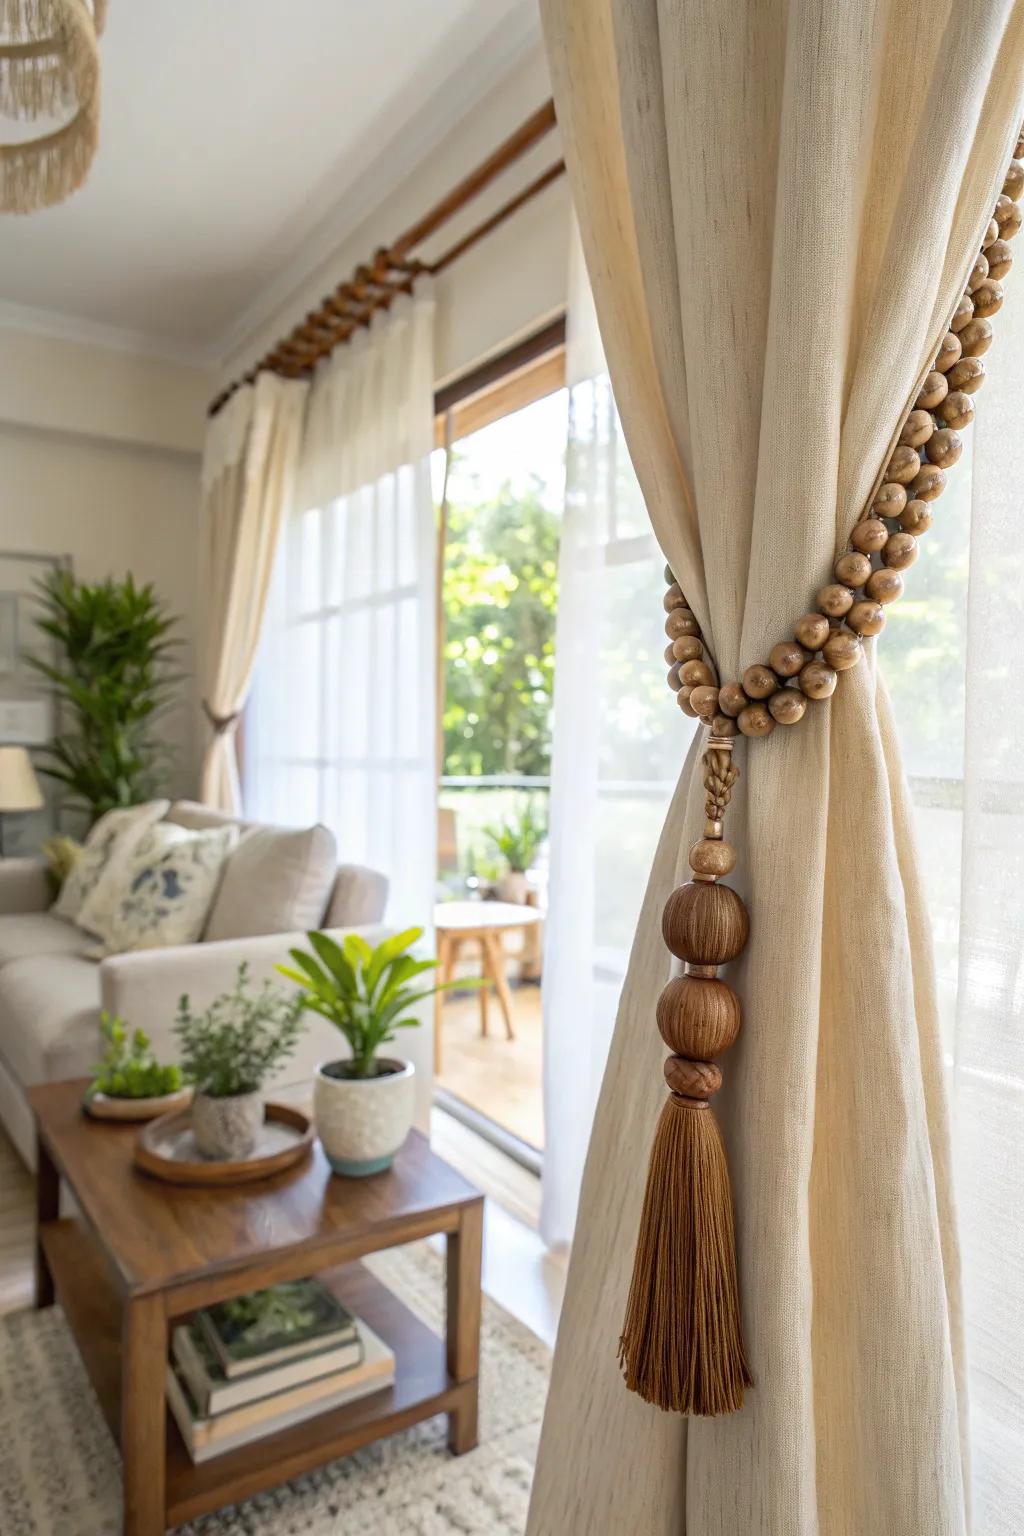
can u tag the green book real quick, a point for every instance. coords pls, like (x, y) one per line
(213, 1392)
(281, 1323)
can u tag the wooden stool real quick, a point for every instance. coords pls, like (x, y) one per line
(485, 922)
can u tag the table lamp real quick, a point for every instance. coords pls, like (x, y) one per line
(19, 787)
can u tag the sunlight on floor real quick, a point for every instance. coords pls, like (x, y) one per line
(501, 1078)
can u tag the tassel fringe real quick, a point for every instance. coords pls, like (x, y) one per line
(681, 1346)
(49, 61)
(41, 172)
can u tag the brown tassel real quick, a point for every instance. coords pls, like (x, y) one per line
(681, 1346)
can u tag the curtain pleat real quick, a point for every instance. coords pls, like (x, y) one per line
(779, 204)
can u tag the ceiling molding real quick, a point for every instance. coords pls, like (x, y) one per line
(59, 326)
(312, 245)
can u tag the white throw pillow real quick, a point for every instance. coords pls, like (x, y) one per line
(278, 880)
(115, 832)
(162, 894)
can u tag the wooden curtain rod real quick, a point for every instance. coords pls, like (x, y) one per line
(374, 284)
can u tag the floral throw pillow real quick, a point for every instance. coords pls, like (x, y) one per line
(115, 832)
(162, 894)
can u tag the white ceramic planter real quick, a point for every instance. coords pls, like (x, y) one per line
(513, 886)
(227, 1129)
(363, 1121)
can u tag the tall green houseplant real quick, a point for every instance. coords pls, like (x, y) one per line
(112, 678)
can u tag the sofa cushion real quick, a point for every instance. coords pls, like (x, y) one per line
(37, 933)
(49, 1017)
(112, 835)
(162, 895)
(278, 880)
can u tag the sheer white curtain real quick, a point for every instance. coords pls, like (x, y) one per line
(342, 727)
(988, 1039)
(618, 745)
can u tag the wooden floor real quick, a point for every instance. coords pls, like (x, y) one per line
(501, 1078)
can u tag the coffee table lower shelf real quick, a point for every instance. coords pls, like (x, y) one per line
(422, 1388)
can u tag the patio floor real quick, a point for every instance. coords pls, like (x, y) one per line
(500, 1078)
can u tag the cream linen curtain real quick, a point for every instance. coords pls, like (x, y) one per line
(249, 466)
(779, 204)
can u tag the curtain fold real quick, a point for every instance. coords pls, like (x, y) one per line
(779, 204)
(343, 727)
(249, 465)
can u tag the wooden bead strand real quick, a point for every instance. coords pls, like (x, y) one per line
(681, 1346)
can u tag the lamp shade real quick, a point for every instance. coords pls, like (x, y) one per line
(19, 787)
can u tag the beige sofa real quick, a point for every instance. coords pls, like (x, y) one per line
(51, 995)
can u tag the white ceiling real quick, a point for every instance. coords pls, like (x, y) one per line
(236, 135)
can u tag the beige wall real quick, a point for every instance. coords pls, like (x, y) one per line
(514, 280)
(99, 460)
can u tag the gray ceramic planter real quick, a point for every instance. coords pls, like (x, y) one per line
(229, 1128)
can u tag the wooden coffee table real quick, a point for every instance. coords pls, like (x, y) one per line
(142, 1255)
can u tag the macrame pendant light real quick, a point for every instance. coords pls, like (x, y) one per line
(682, 1346)
(49, 69)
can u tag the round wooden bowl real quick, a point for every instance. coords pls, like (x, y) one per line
(100, 1106)
(166, 1149)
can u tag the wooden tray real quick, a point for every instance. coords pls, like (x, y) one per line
(166, 1149)
(100, 1106)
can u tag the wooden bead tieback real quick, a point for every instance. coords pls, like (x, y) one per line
(681, 1344)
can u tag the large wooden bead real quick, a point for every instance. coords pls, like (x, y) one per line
(945, 448)
(906, 462)
(1018, 153)
(968, 375)
(759, 682)
(698, 1016)
(813, 629)
(687, 648)
(818, 680)
(987, 300)
(933, 390)
(675, 682)
(929, 482)
(916, 517)
(853, 568)
(918, 427)
(704, 699)
(964, 310)
(787, 706)
(884, 586)
(697, 674)
(692, 1079)
(755, 720)
(1007, 215)
(1000, 259)
(732, 699)
(1013, 186)
(977, 275)
(712, 857)
(957, 410)
(869, 535)
(681, 622)
(990, 236)
(842, 650)
(835, 600)
(889, 500)
(786, 658)
(949, 347)
(865, 618)
(900, 551)
(670, 655)
(674, 598)
(704, 923)
(683, 700)
(976, 338)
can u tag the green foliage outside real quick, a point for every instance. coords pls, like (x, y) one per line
(518, 837)
(112, 679)
(129, 1070)
(500, 598)
(234, 1046)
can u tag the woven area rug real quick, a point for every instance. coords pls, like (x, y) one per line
(59, 1467)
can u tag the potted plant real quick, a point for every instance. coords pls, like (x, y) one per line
(228, 1053)
(363, 1105)
(517, 840)
(129, 1083)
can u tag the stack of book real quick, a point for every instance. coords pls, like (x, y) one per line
(260, 1362)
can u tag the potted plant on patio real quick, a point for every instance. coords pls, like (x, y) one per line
(363, 1105)
(517, 840)
(228, 1053)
